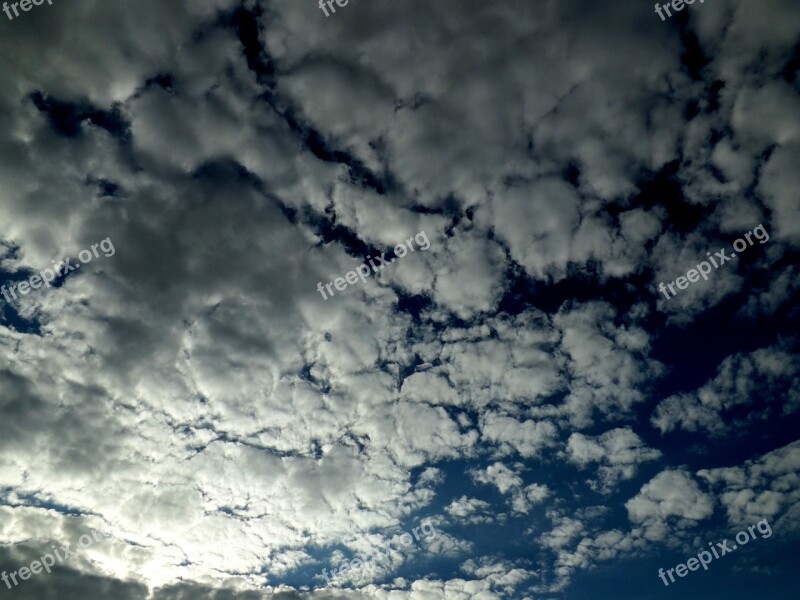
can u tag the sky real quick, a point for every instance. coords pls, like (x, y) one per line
(399, 300)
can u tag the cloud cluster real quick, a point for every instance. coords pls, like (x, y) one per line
(755, 385)
(765, 487)
(618, 451)
(236, 433)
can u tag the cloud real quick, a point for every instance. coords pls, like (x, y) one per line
(509, 481)
(527, 437)
(500, 574)
(235, 431)
(469, 510)
(748, 383)
(671, 498)
(763, 487)
(608, 364)
(618, 451)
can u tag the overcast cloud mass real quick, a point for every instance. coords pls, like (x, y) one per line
(524, 386)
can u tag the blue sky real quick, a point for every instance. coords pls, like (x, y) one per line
(522, 385)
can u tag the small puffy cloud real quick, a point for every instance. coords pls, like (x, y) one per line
(531, 495)
(765, 487)
(528, 438)
(501, 574)
(618, 452)
(509, 481)
(671, 497)
(779, 186)
(470, 275)
(500, 476)
(608, 363)
(469, 510)
(566, 530)
(754, 385)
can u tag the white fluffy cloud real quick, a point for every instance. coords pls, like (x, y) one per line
(508, 481)
(762, 382)
(196, 396)
(765, 487)
(670, 497)
(618, 451)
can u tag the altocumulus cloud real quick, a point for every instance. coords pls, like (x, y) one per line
(521, 383)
